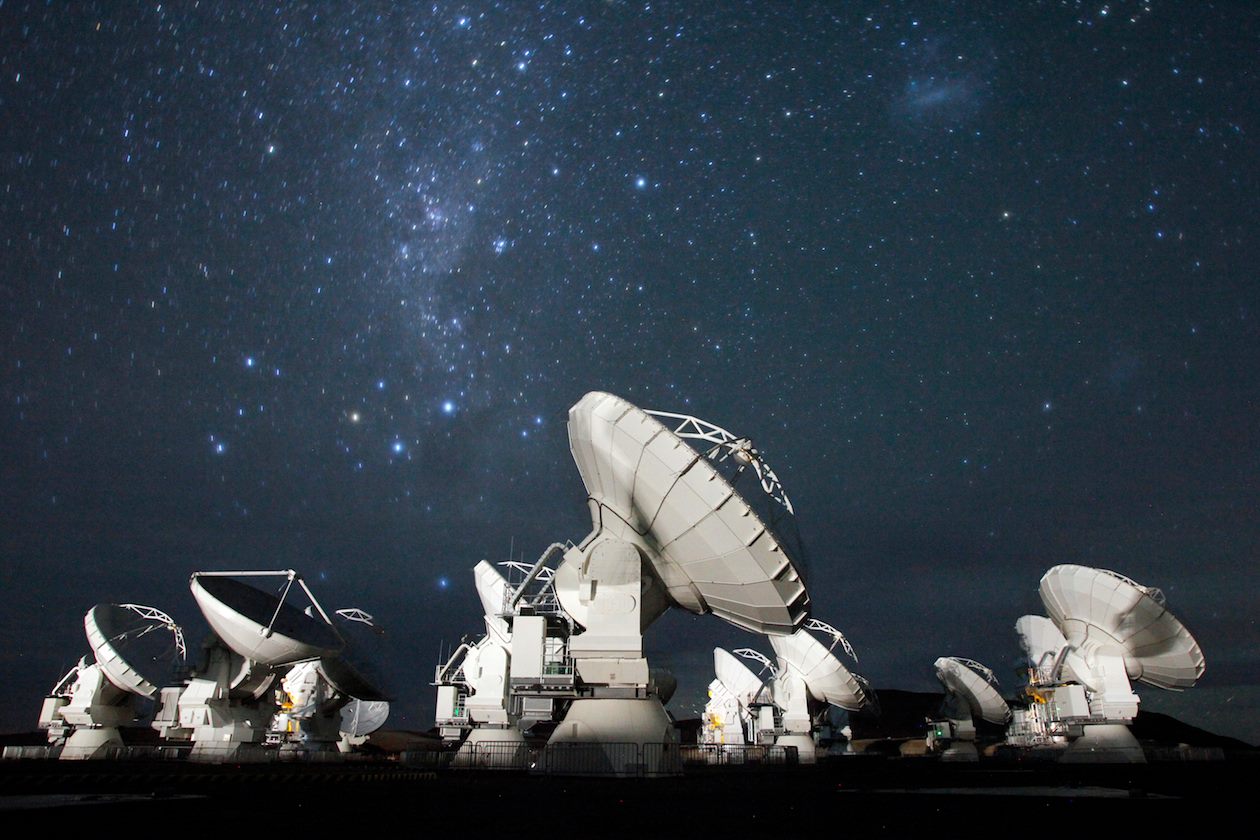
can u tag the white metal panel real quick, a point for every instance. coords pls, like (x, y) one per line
(528, 646)
(735, 676)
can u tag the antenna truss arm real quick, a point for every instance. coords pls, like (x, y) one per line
(836, 636)
(154, 614)
(293, 577)
(356, 614)
(982, 670)
(456, 659)
(63, 686)
(1154, 592)
(726, 445)
(535, 571)
(758, 656)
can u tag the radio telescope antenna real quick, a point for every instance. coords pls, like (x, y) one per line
(136, 651)
(809, 678)
(667, 530)
(261, 635)
(970, 692)
(728, 713)
(359, 719)
(263, 628)
(316, 692)
(518, 674)
(1114, 630)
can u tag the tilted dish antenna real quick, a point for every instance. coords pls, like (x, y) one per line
(974, 686)
(227, 707)
(360, 718)
(710, 550)
(137, 647)
(1102, 612)
(667, 529)
(969, 693)
(736, 677)
(260, 626)
(137, 651)
(810, 676)
(1114, 630)
(825, 677)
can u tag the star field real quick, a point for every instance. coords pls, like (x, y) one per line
(314, 285)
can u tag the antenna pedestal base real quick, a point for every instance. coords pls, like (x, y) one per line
(804, 743)
(614, 737)
(228, 740)
(91, 743)
(1105, 743)
(492, 748)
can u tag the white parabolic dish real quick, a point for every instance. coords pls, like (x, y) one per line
(979, 694)
(363, 717)
(115, 633)
(736, 677)
(710, 550)
(240, 615)
(1040, 638)
(825, 676)
(1097, 607)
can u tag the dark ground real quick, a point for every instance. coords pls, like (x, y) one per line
(873, 794)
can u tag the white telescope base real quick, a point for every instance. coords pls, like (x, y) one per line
(613, 737)
(491, 748)
(806, 753)
(1105, 743)
(227, 742)
(85, 743)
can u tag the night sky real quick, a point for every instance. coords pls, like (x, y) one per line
(313, 285)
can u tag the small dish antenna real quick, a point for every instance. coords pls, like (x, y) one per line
(228, 706)
(136, 651)
(1110, 630)
(970, 692)
(360, 718)
(728, 714)
(810, 677)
